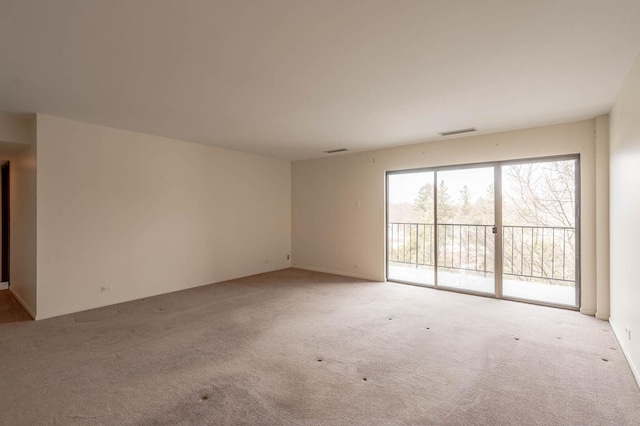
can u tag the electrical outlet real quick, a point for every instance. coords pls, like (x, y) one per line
(627, 331)
(105, 288)
(288, 257)
(356, 265)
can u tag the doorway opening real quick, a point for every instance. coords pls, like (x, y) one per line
(504, 229)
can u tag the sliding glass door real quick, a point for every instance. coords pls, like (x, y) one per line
(466, 218)
(410, 228)
(539, 231)
(505, 229)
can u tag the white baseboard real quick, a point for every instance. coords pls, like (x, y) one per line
(4, 286)
(23, 303)
(128, 298)
(332, 272)
(619, 337)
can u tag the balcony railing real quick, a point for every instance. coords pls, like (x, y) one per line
(529, 252)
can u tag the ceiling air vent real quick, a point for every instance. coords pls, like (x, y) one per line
(333, 151)
(457, 132)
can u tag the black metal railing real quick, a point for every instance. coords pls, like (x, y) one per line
(530, 252)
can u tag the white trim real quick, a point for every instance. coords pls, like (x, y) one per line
(23, 303)
(117, 301)
(4, 285)
(98, 305)
(602, 317)
(627, 355)
(87, 307)
(344, 274)
(585, 311)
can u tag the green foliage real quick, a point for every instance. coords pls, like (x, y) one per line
(446, 207)
(423, 204)
(463, 210)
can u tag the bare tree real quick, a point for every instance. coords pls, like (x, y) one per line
(539, 221)
(541, 194)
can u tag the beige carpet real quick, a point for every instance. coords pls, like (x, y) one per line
(295, 347)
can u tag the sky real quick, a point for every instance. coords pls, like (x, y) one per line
(403, 188)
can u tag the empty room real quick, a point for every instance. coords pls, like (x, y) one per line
(310, 212)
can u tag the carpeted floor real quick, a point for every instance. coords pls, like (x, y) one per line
(296, 347)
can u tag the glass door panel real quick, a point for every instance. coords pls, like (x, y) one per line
(410, 229)
(465, 204)
(539, 231)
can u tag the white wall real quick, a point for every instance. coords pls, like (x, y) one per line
(146, 215)
(625, 214)
(339, 204)
(22, 231)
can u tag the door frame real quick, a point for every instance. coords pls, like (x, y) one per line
(498, 245)
(578, 204)
(6, 220)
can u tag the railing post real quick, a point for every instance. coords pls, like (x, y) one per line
(417, 243)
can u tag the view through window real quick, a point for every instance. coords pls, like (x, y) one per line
(442, 227)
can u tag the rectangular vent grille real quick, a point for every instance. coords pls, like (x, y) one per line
(457, 132)
(333, 151)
